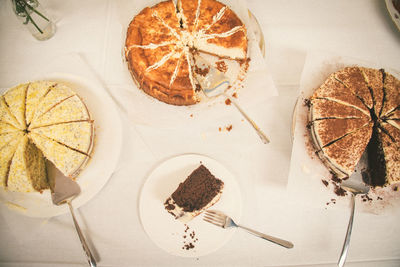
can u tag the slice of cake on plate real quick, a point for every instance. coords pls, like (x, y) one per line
(15, 99)
(69, 161)
(198, 192)
(27, 170)
(76, 135)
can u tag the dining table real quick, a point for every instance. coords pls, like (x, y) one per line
(88, 43)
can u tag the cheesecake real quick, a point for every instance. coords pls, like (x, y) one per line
(161, 40)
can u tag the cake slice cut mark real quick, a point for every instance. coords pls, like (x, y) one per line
(15, 100)
(9, 137)
(196, 20)
(390, 140)
(174, 75)
(75, 135)
(353, 79)
(217, 17)
(392, 94)
(62, 144)
(191, 77)
(392, 112)
(53, 106)
(339, 154)
(149, 46)
(172, 31)
(68, 161)
(6, 127)
(162, 61)
(63, 122)
(36, 91)
(374, 79)
(384, 93)
(339, 118)
(394, 122)
(228, 33)
(7, 116)
(6, 155)
(344, 103)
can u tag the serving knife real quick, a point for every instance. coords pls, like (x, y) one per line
(214, 83)
(63, 191)
(355, 185)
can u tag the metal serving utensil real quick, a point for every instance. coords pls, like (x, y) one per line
(220, 219)
(355, 185)
(215, 83)
(63, 191)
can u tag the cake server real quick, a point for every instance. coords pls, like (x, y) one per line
(214, 83)
(63, 191)
(355, 185)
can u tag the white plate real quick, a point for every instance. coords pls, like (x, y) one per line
(106, 150)
(394, 14)
(169, 233)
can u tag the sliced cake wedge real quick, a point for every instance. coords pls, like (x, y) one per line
(15, 99)
(27, 171)
(6, 155)
(69, 110)
(35, 92)
(67, 160)
(7, 116)
(77, 135)
(57, 94)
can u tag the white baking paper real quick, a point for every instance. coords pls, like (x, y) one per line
(145, 110)
(306, 169)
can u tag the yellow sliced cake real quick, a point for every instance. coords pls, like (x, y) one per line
(72, 109)
(27, 170)
(5, 138)
(35, 92)
(77, 135)
(15, 99)
(6, 155)
(7, 128)
(55, 96)
(7, 116)
(68, 161)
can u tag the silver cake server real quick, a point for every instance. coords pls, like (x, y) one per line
(63, 191)
(214, 83)
(354, 185)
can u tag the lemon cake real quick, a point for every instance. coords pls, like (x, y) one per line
(161, 40)
(355, 110)
(39, 121)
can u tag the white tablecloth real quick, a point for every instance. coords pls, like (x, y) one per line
(359, 28)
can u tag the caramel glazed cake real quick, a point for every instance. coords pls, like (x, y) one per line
(354, 110)
(198, 192)
(161, 40)
(42, 120)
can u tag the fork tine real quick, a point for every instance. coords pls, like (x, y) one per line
(213, 222)
(216, 220)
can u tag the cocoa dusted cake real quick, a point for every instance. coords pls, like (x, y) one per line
(354, 110)
(198, 192)
(161, 40)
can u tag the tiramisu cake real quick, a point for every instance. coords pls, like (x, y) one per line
(161, 40)
(354, 110)
(42, 120)
(198, 192)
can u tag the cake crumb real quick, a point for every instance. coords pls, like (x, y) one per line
(191, 115)
(228, 102)
(229, 128)
(325, 182)
(234, 95)
(221, 66)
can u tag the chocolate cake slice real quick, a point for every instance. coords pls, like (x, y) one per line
(198, 192)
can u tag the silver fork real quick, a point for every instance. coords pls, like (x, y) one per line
(220, 219)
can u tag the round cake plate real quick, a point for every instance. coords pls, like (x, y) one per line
(104, 157)
(172, 235)
(394, 14)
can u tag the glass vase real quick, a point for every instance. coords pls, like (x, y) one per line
(35, 18)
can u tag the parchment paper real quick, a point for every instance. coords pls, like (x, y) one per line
(306, 169)
(145, 110)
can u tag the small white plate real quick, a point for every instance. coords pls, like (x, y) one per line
(172, 235)
(104, 158)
